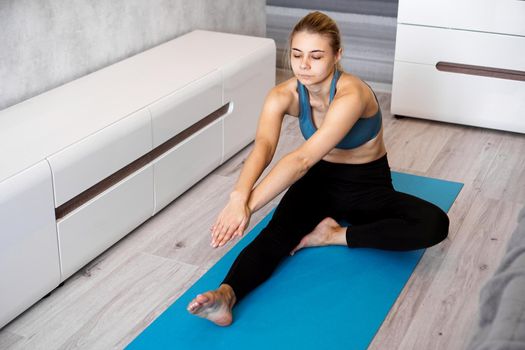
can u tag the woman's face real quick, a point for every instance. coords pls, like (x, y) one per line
(312, 57)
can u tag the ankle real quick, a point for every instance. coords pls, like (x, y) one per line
(227, 291)
(337, 236)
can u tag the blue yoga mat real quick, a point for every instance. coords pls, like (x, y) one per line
(321, 298)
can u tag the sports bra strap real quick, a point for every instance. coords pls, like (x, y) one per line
(333, 84)
(363, 130)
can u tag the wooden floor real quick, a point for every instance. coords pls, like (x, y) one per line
(110, 301)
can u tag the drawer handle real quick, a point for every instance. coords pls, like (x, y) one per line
(106, 183)
(481, 71)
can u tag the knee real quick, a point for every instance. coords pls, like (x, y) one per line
(437, 225)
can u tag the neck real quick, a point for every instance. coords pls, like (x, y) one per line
(321, 90)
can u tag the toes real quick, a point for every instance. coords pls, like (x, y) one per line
(197, 303)
(299, 246)
(194, 306)
(211, 305)
(204, 299)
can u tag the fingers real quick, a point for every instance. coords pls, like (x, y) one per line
(218, 229)
(240, 229)
(224, 235)
(215, 230)
(225, 229)
(238, 232)
(231, 222)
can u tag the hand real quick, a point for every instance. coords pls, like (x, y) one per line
(231, 222)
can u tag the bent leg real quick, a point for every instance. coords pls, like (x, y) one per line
(405, 222)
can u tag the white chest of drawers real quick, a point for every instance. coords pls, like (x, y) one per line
(461, 62)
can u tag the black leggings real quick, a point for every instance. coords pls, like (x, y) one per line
(361, 194)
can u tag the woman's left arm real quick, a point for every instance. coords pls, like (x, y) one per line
(343, 113)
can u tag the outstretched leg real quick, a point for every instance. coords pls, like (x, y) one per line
(297, 214)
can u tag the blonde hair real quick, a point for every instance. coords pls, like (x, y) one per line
(316, 23)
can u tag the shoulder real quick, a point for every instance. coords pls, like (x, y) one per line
(282, 96)
(349, 85)
(284, 91)
(351, 90)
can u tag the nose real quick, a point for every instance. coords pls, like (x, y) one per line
(304, 63)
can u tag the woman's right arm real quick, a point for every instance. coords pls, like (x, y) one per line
(234, 218)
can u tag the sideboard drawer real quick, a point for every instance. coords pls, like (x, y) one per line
(92, 228)
(504, 17)
(87, 162)
(427, 45)
(185, 164)
(181, 109)
(423, 91)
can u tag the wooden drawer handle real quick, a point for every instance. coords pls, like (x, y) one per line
(481, 71)
(106, 183)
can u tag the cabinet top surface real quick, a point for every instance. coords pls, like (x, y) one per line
(501, 17)
(40, 126)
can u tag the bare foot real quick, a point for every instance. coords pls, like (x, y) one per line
(215, 306)
(327, 232)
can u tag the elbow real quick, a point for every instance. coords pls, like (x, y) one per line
(304, 163)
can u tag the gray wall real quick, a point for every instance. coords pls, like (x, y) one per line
(46, 43)
(385, 8)
(368, 34)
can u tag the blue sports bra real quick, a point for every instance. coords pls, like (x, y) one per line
(363, 130)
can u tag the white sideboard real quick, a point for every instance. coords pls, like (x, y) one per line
(85, 163)
(461, 62)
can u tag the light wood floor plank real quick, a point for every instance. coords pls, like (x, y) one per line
(446, 317)
(8, 339)
(417, 288)
(468, 155)
(413, 144)
(505, 178)
(132, 295)
(186, 224)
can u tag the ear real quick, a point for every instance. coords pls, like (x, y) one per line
(339, 55)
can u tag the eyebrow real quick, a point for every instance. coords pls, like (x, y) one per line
(296, 49)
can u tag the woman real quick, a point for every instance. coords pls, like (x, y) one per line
(340, 172)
